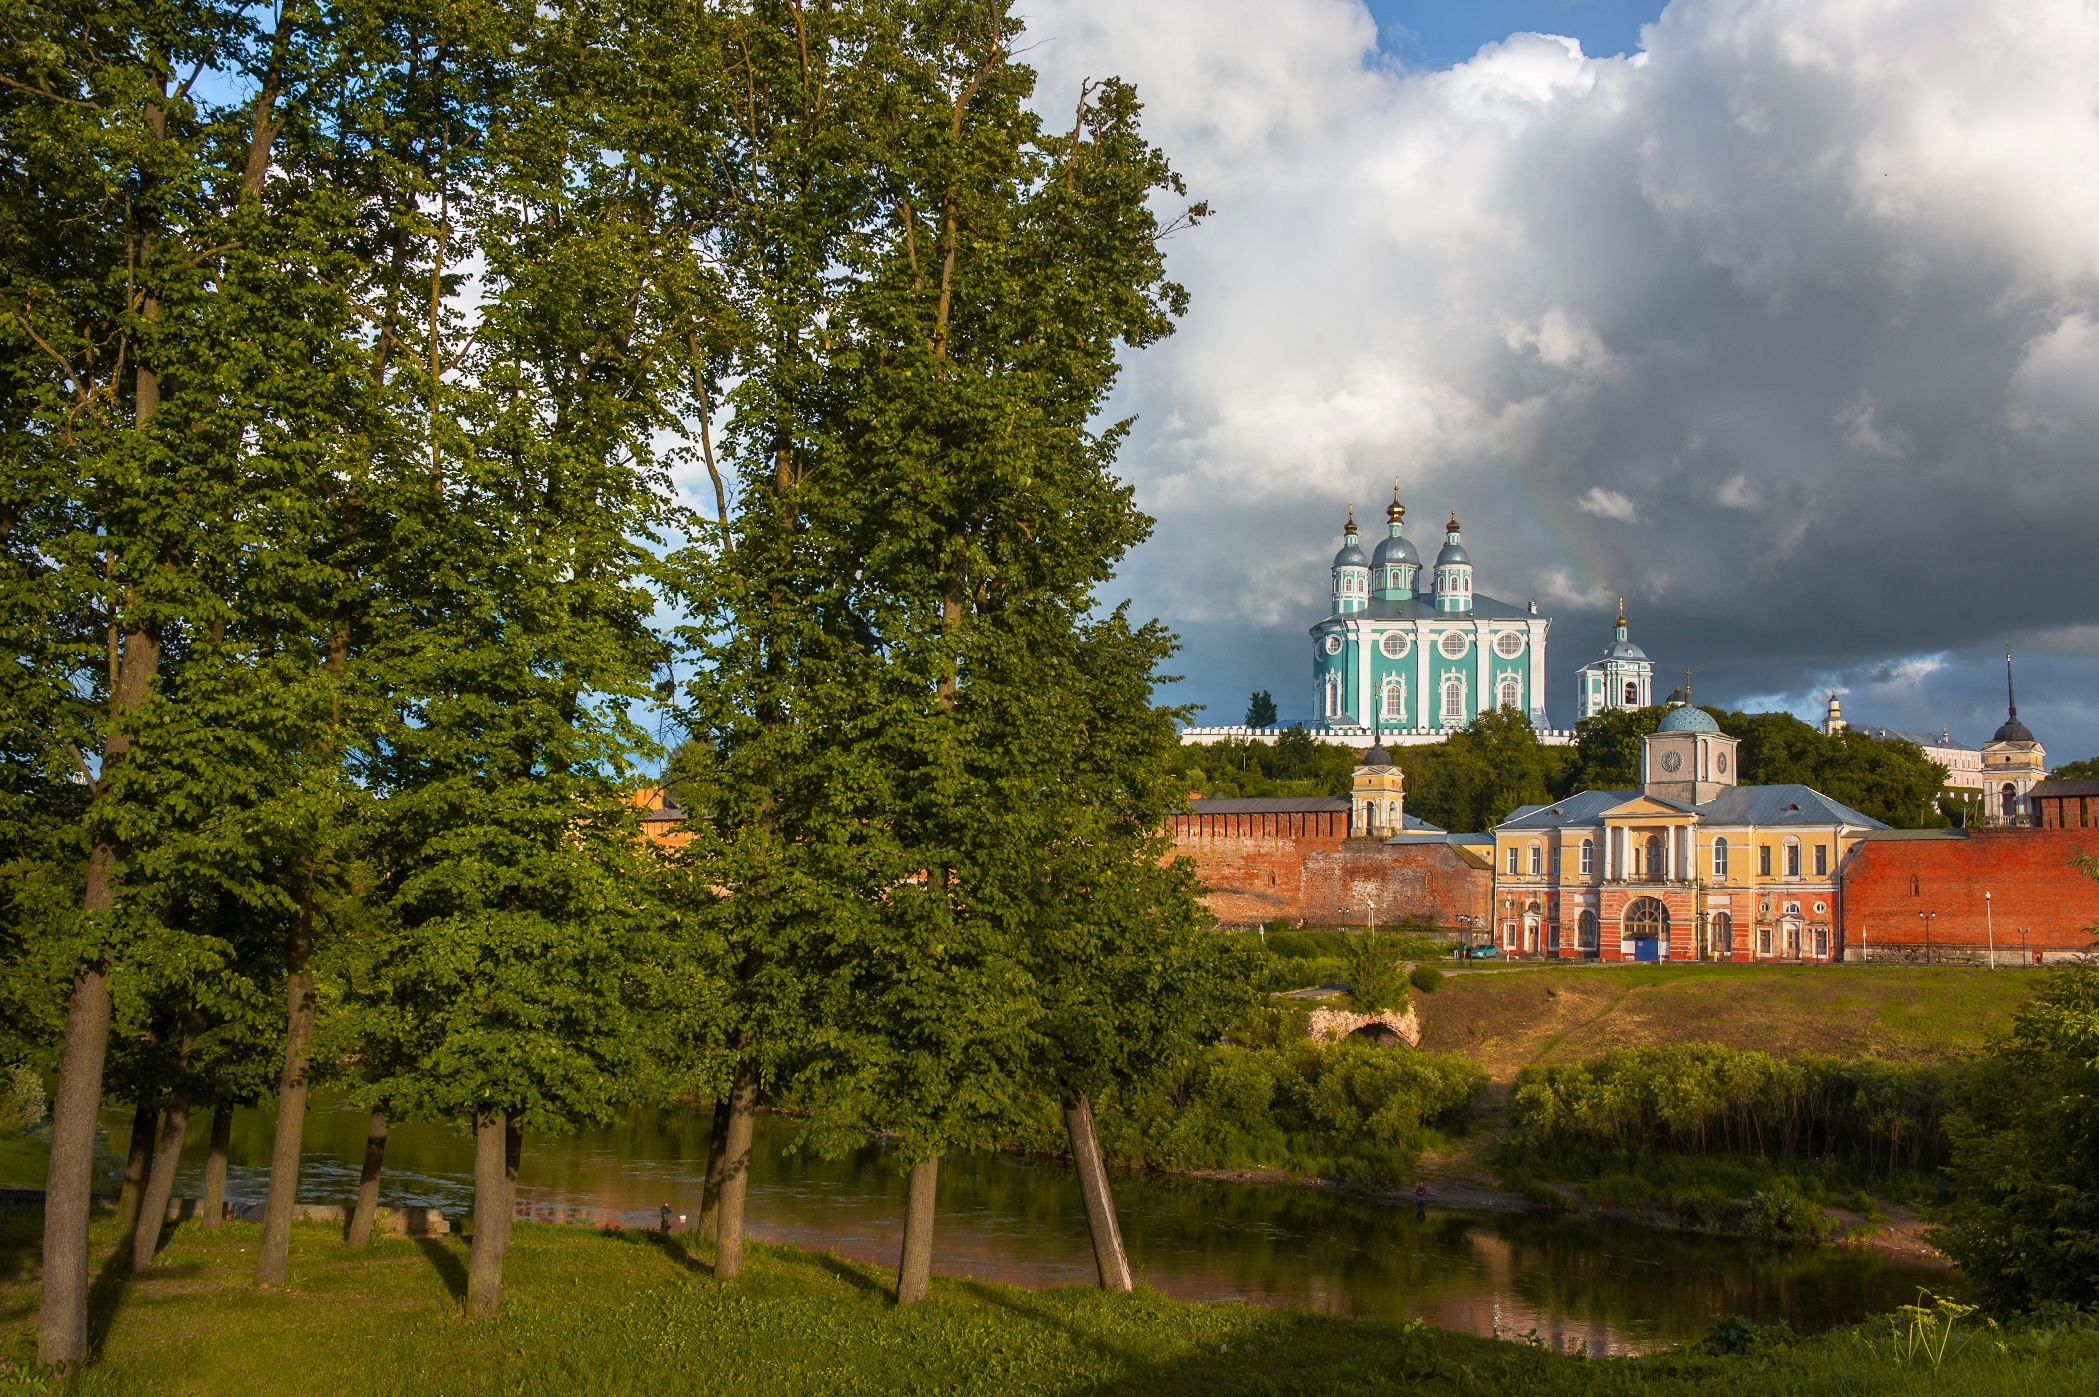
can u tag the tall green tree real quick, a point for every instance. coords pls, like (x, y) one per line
(177, 373)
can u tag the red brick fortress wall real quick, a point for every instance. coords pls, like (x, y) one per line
(1301, 869)
(2039, 908)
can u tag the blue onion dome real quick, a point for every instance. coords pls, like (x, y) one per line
(1453, 551)
(1350, 555)
(1623, 650)
(1687, 719)
(1395, 550)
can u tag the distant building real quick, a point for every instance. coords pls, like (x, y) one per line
(2064, 804)
(1690, 866)
(2013, 762)
(1963, 761)
(1335, 862)
(1621, 677)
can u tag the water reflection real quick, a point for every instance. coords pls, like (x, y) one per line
(1609, 1287)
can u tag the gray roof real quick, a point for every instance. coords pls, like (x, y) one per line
(1922, 739)
(1268, 805)
(2076, 786)
(1737, 805)
(1422, 607)
(1453, 553)
(1910, 834)
(1351, 556)
(1395, 550)
(2013, 731)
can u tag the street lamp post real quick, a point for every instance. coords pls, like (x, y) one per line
(1990, 922)
(1927, 918)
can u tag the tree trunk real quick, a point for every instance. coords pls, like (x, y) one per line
(138, 1159)
(736, 1169)
(368, 1183)
(160, 1182)
(1100, 1203)
(70, 1179)
(214, 1205)
(914, 1271)
(493, 1201)
(717, 1158)
(275, 1257)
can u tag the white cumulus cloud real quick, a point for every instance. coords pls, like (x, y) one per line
(1607, 504)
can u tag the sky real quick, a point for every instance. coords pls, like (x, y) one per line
(1778, 318)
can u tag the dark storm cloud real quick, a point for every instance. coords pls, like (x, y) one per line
(1785, 329)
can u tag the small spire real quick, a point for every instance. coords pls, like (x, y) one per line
(1395, 511)
(1452, 526)
(1621, 611)
(1351, 516)
(2011, 699)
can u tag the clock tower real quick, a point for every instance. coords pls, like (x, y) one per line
(1687, 758)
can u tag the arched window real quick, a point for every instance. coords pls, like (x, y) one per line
(2011, 800)
(1586, 935)
(1792, 858)
(1632, 694)
(1453, 700)
(1588, 856)
(1723, 933)
(1395, 706)
(1657, 862)
(1720, 858)
(1537, 859)
(1647, 917)
(1511, 694)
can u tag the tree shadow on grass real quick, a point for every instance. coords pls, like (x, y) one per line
(670, 1245)
(450, 1269)
(106, 1295)
(21, 1236)
(852, 1275)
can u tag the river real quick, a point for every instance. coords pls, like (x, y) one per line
(1612, 1287)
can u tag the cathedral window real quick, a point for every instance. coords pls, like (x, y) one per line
(1588, 856)
(1511, 694)
(1508, 645)
(1393, 645)
(1632, 695)
(1454, 701)
(1720, 858)
(1452, 645)
(1395, 705)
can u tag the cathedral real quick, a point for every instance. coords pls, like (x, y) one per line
(1411, 653)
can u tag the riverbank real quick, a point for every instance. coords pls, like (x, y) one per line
(619, 1312)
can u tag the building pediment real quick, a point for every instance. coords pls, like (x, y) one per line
(1647, 807)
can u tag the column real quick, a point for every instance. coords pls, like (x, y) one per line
(1484, 693)
(1537, 685)
(1423, 712)
(1368, 707)
(1669, 851)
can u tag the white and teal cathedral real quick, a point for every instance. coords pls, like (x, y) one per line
(1413, 653)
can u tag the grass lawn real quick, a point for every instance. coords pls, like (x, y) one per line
(586, 1312)
(1546, 1013)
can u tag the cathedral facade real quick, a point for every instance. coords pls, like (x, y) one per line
(1410, 652)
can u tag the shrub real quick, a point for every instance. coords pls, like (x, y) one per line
(1375, 980)
(1538, 1191)
(1623, 1190)
(1425, 978)
(1738, 1334)
(22, 1102)
(1783, 1212)
(1699, 1203)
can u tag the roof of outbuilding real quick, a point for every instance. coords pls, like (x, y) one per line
(1737, 805)
(2076, 786)
(1922, 739)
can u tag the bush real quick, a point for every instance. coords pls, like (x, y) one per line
(1425, 978)
(1783, 1212)
(1622, 1190)
(22, 1103)
(1702, 1204)
(1738, 1334)
(1375, 980)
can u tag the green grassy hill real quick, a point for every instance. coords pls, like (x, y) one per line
(1505, 1019)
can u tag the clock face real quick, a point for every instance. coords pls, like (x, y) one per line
(1719, 761)
(1672, 761)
